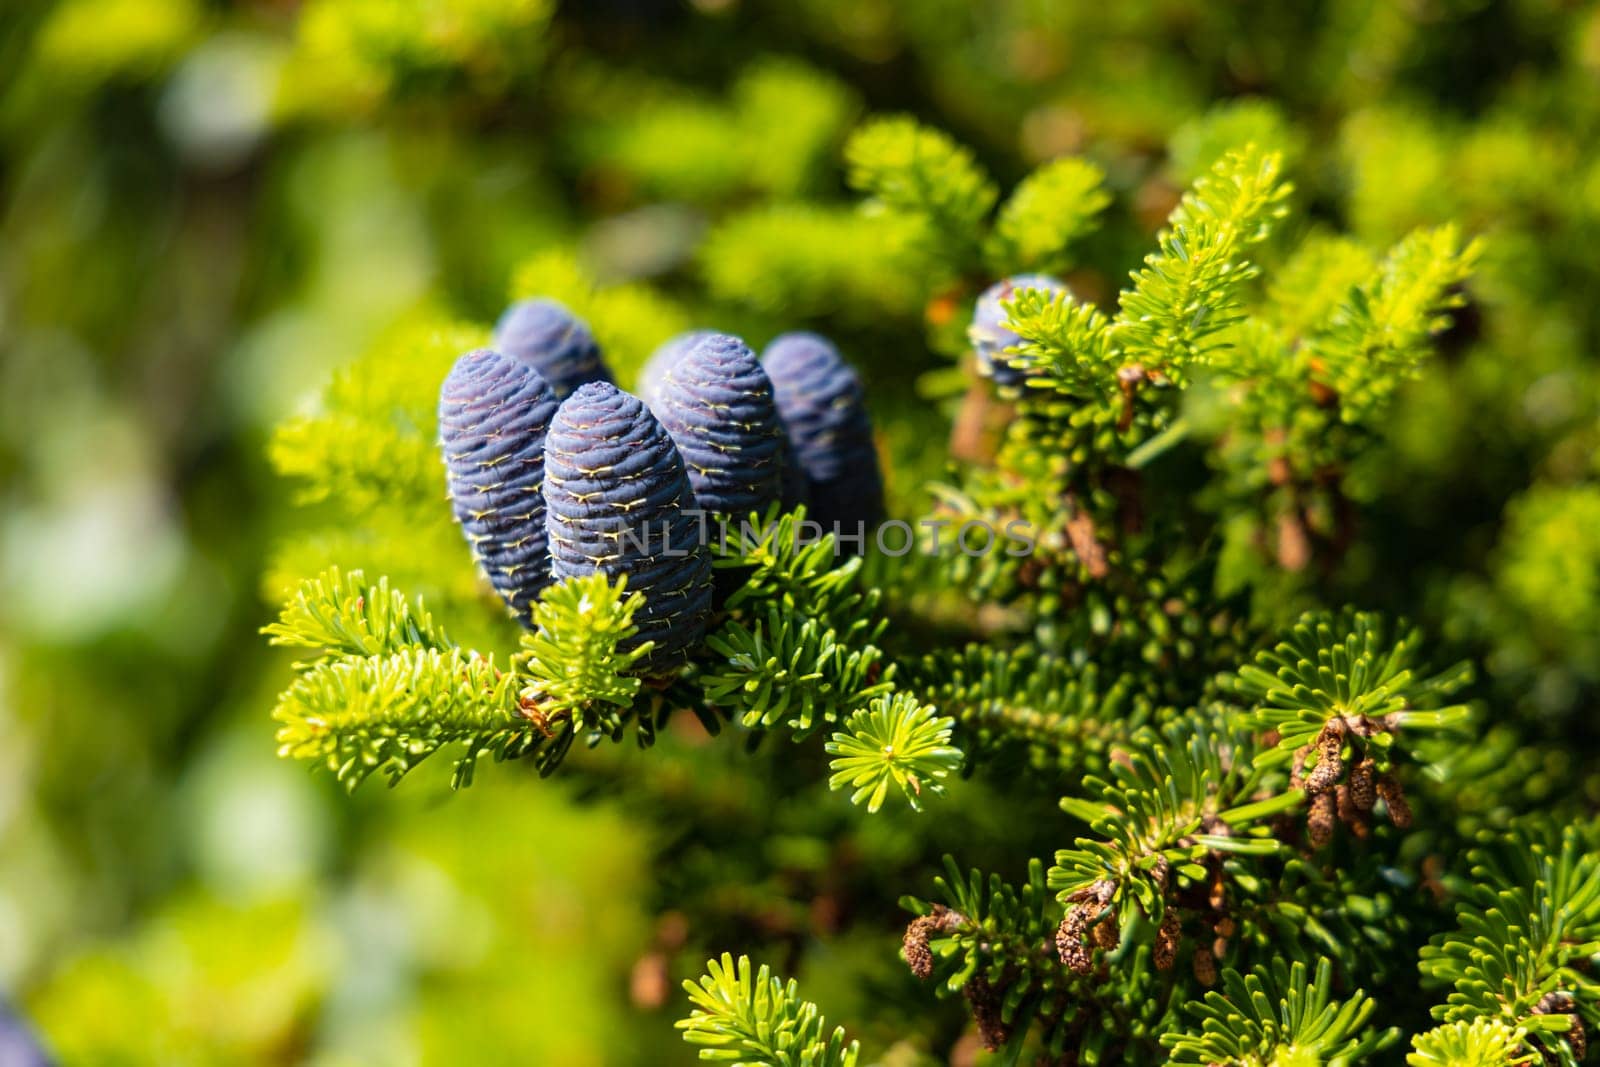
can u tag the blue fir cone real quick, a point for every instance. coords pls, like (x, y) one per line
(493, 415)
(553, 341)
(820, 404)
(662, 360)
(989, 334)
(717, 405)
(618, 501)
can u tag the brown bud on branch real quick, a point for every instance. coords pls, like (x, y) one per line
(1069, 939)
(1330, 766)
(1321, 820)
(1168, 938)
(1364, 785)
(1394, 797)
(919, 957)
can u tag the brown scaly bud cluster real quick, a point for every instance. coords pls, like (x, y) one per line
(1085, 904)
(1161, 872)
(1351, 800)
(1069, 939)
(1394, 797)
(1349, 814)
(986, 1003)
(1555, 1002)
(1330, 766)
(919, 957)
(1364, 785)
(1167, 940)
(1099, 892)
(1321, 821)
(1560, 1002)
(1106, 932)
(1205, 967)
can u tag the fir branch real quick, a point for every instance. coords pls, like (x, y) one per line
(988, 920)
(1167, 804)
(340, 614)
(360, 714)
(757, 1020)
(1065, 345)
(1337, 695)
(1099, 388)
(1191, 288)
(992, 942)
(1066, 715)
(1344, 674)
(1479, 1043)
(795, 672)
(898, 742)
(1275, 1018)
(794, 570)
(390, 690)
(1528, 925)
(579, 662)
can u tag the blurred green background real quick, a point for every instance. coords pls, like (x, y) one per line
(207, 207)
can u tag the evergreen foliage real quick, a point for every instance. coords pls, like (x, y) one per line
(1527, 930)
(894, 742)
(1224, 392)
(1206, 909)
(760, 1020)
(1281, 1018)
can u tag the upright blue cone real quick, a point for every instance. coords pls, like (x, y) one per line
(553, 341)
(493, 415)
(661, 361)
(717, 404)
(819, 402)
(989, 334)
(618, 501)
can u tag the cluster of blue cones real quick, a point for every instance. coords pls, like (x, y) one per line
(554, 472)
